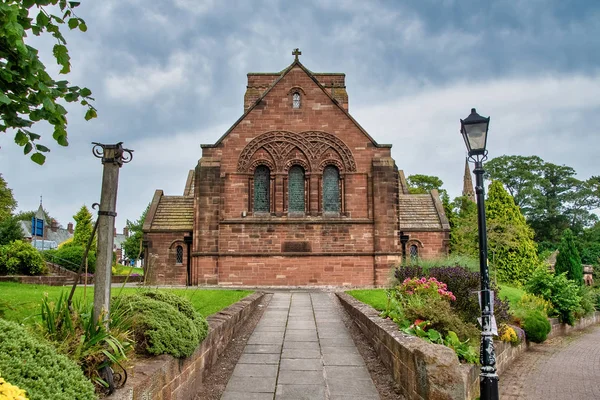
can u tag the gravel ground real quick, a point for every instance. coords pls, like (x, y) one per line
(214, 385)
(387, 388)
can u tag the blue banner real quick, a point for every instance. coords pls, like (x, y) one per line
(37, 227)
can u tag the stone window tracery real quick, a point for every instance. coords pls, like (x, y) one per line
(414, 253)
(262, 177)
(296, 100)
(296, 189)
(331, 189)
(179, 255)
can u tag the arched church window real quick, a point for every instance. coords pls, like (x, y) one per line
(296, 100)
(331, 189)
(414, 253)
(296, 189)
(262, 177)
(179, 255)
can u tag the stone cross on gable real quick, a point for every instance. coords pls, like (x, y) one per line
(296, 53)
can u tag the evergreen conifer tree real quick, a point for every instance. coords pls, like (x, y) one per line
(83, 228)
(568, 259)
(511, 248)
(463, 237)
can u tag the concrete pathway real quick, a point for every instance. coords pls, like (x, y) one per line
(562, 368)
(300, 349)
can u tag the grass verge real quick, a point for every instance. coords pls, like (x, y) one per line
(511, 293)
(376, 298)
(21, 302)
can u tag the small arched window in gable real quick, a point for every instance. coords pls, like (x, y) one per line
(296, 189)
(331, 189)
(179, 255)
(296, 100)
(414, 253)
(262, 177)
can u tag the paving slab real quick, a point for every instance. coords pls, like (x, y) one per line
(263, 349)
(301, 349)
(300, 392)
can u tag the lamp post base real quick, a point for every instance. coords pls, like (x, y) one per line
(488, 387)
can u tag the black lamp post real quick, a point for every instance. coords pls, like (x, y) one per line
(474, 130)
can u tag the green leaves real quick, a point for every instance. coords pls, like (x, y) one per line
(4, 99)
(62, 58)
(91, 113)
(31, 94)
(73, 23)
(21, 139)
(38, 158)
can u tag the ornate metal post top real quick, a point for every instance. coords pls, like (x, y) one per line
(112, 153)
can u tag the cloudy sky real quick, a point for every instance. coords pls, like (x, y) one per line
(168, 76)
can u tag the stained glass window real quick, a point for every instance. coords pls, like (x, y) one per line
(331, 189)
(179, 255)
(262, 176)
(296, 189)
(414, 253)
(296, 100)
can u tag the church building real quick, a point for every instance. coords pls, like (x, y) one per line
(295, 193)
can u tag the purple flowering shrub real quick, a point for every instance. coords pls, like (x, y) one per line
(408, 271)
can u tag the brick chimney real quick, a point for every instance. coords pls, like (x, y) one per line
(70, 227)
(53, 225)
(126, 231)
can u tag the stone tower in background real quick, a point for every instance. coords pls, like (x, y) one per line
(468, 191)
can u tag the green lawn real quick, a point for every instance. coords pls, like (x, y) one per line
(513, 294)
(376, 298)
(21, 303)
(124, 270)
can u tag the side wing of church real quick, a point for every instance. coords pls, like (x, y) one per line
(295, 193)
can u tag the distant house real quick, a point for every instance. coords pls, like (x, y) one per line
(53, 236)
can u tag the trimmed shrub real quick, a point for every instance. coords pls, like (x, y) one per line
(163, 323)
(35, 366)
(182, 305)
(70, 257)
(560, 291)
(587, 303)
(21, 258)
(536, 326)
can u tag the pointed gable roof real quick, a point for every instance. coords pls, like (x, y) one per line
(311, 75)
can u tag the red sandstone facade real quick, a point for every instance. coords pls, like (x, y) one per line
(214, 234)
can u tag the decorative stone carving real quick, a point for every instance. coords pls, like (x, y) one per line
(319, 148)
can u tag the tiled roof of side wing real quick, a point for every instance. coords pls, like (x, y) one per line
(418, 211)
(174, 213)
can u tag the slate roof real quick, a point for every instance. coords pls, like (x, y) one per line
(173, 213)
(418, 212)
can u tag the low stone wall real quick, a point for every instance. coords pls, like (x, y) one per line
(422, 370)
(559, 329)
(49, 280)
(63, 280)
(425, 370)
(166, 377)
